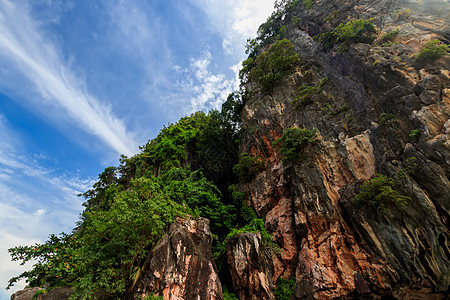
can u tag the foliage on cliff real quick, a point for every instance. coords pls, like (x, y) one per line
(353, 31)
(381, 192)
(271, 31)
(273, 65)
(293, 143)
(184, 172)
(431, 51)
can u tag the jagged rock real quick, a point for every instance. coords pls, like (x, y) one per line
(181, 266)
(250, 266)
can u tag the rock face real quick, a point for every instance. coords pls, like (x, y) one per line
(378, 112)
(250, 265)
(182, 265)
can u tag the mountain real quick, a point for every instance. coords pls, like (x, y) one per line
(325, 177)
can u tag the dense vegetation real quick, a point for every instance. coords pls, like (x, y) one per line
(270, 32)
(186, 171)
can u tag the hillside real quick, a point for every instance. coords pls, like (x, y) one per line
(326, 176)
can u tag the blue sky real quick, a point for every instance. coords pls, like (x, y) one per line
(82, 82)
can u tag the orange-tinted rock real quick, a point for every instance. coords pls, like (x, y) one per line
(182, 265)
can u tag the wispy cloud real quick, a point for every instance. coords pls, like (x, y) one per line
(135, 31)
(36, 58)
(34, 201)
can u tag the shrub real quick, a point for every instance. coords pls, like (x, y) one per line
(227, 295)
(36, 295)
(248, 167)
(274, 64)
(431, 51)
(285, 288)
(294, 141)
(308, 3)
(196, 192)
(409, 167)
(323, 81)
(331, 16)
(304, 96)
(338, 110)
(380, 192)
(388, 37)
(271, 31)
(386, 118)
(257, 225)
(414, 135)
(402, 14)
(354, 31)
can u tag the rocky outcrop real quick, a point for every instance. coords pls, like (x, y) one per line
(250, 266)
(57, 293)
(379, 111)
(25, 294)
(182, 265)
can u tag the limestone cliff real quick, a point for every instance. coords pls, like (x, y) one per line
(378, 111)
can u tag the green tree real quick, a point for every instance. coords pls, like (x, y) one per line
(285, 288)
(130, 207)
(274, 64)
(98, 195)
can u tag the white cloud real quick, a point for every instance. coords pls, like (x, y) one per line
(204, 89)
(240, 22)
(36, 58)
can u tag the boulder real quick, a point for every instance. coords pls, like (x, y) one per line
(250, 266)
(182, 265)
